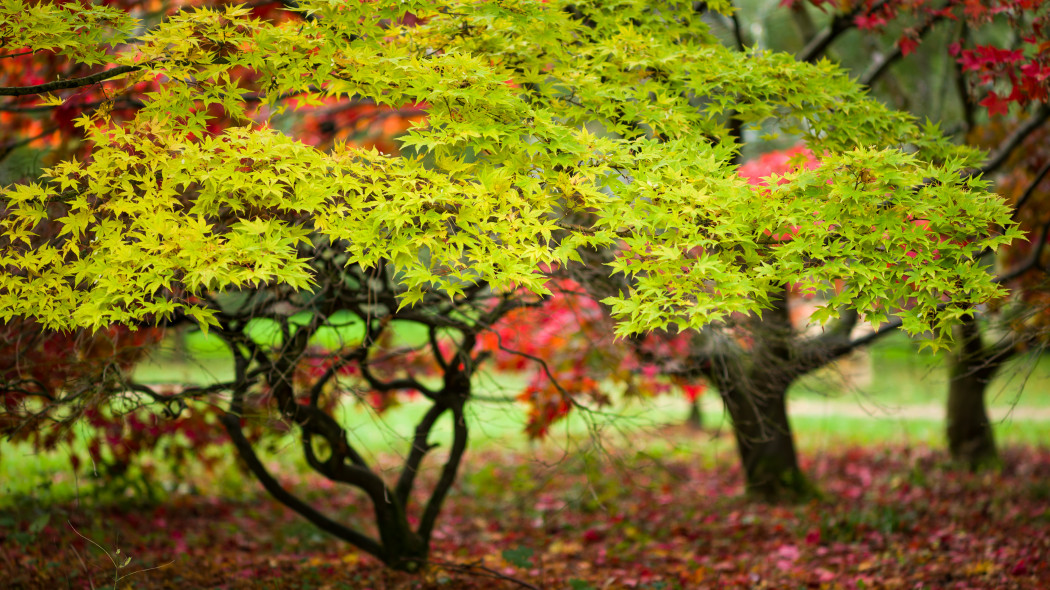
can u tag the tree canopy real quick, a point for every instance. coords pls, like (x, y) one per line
(551, 127)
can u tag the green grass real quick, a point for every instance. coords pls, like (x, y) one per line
(901, 376)
(900, 404)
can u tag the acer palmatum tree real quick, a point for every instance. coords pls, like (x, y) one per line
(35, 134)
(755, 360)
(992, 91)
(551, 130)
(303, 386)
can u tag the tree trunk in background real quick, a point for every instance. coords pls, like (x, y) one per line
(765, 442)
(695, 420)
(971, 367)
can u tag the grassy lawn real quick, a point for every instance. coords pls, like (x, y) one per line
(647, 504)
(898, 400)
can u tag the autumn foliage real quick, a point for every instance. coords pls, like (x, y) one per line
(464, 170)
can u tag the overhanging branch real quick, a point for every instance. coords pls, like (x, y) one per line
(66, 84)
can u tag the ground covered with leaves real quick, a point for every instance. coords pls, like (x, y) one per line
(890, 518)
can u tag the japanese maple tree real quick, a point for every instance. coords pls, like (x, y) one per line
(991, 75)
(552, 131)
(998, 57)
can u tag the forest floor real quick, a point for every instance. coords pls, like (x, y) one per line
(592, 518)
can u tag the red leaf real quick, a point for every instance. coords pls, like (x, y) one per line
(907, 45)
(593, 536)
(995, 104)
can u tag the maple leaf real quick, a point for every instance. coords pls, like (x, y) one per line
(995, 104)
(907, 45)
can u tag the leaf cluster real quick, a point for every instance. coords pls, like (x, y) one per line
(551, 129)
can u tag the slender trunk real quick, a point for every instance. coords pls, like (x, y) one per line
(971, 367)
(765, 442)
(695, 420)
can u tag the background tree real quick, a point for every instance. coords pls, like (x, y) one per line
(991, 71)
(980, 68)
(549, 132)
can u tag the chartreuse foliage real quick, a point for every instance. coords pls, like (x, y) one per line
(78, 32)
(551, 127)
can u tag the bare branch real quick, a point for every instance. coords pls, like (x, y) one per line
(839, 25)
(1033, 258)
(244, 448)
(31, 52)
(1007, 147)
(420, 447)
(1030, 190)
(66, 84)
(448, 473)
(876, 70)
(479, 570)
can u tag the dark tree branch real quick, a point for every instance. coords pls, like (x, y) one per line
(405, 383)
(312, 420)
(1033, 258)
(876, 70)
(121, 103)
(232, 424)
(318, 387)
(816, 352)
(976, 354)
(66, 84)
(891, 326)
(435, 347)
(968, 107)
(1007, 147)
(839, 25)
(448, 473)
(9, 55)
(1030, 190)
(420, 447)
(738, 33)
(231, 421)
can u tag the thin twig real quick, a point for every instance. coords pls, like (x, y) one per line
(476, 569)
(1007, 147)
(87, 570)
(878, 69)
(30, 52)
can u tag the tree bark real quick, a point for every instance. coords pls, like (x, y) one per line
(765, 442)
(971, 367)
(754, 387)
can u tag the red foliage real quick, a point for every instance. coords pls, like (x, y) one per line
(1002, 75)
(36, 367)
